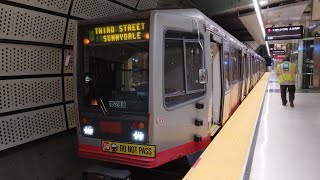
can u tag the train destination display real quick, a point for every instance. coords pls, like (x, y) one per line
(120, 32)
(284, 33)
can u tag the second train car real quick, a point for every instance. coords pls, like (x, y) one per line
(155, 86)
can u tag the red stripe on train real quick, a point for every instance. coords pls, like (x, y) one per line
(95, 152)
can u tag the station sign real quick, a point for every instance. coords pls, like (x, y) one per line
(278, 52)
(279, 57)
(284, 33)
(127, 31)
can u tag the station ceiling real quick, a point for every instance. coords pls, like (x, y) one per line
(227, 14)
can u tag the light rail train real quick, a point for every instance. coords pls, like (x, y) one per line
(154, 86)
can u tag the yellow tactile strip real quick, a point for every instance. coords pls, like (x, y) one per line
(225, 158)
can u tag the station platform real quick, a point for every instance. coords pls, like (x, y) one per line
(267, 142)
(288, 142)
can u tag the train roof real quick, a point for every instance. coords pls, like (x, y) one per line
(194, 13)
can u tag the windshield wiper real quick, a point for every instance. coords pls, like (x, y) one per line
(103, 107)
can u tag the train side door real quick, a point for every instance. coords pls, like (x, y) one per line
(244, 76)
(241, 75)
(234, 64)
(248, 74)
(251, 72)
(216, 53)
(225, 64)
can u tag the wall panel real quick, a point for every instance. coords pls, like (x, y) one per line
(88, 9)
(21, 128)
(70, 32)
(131, 3)
(61, 6)
(68, 88)
(26, 93)
(27, 25)
(18, 59)
(71, 114)
(147, 4)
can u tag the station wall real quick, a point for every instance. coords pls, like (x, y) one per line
(36, 83)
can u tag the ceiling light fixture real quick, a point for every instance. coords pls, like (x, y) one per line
(257, 10)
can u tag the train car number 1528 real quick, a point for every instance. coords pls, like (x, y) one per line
(117, 104)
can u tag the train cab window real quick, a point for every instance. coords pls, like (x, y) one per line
(183, 57)
(194, 62)
(116, 75)
(174, 67)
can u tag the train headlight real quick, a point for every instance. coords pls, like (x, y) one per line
(88, 130)
(138, 135)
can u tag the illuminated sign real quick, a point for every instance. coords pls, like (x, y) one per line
(119, 32)
(283, 33)
(278, 52)
(279, 57)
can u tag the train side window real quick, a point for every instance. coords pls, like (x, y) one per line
(183, 57)
(234, 76)
(226, 71)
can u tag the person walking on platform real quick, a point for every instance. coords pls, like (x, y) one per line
(287, 79)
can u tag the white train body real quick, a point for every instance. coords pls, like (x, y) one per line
(183, 109)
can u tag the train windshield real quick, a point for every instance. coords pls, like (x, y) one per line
(116, 77)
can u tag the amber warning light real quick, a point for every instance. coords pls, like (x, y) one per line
(120, 32)
(147, 36)
(86, 41)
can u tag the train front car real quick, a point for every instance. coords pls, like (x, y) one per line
(138, 88)
(113, 89)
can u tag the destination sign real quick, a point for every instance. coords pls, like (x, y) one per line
(120, 32)
(284, 33)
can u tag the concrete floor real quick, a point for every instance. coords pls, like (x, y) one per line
(50, 158)
(55, 158)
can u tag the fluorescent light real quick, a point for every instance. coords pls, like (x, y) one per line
(257, 10)
(267, 45)
(263, 2)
